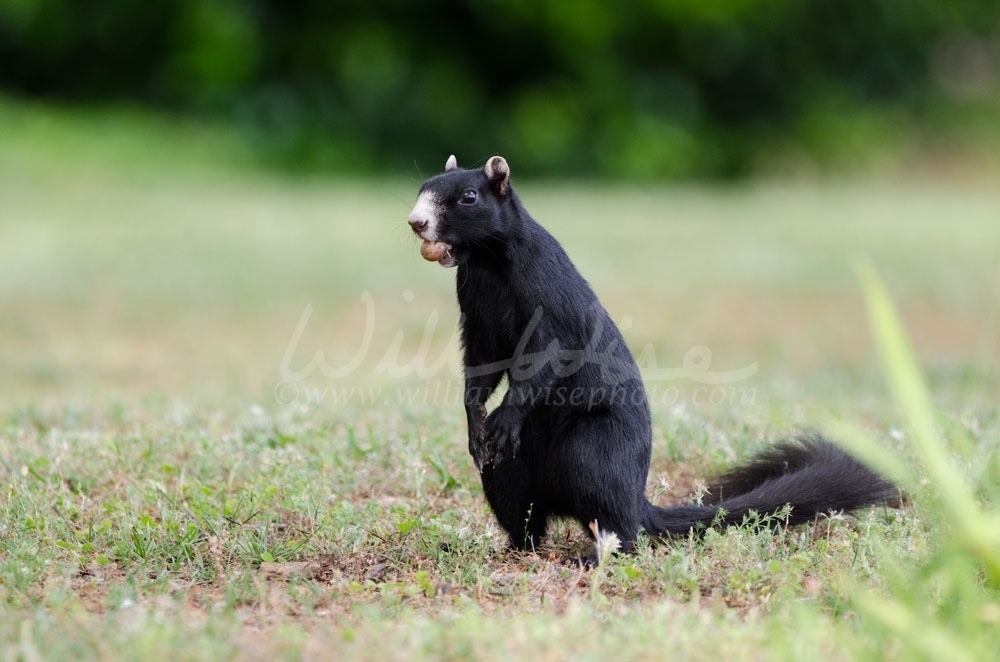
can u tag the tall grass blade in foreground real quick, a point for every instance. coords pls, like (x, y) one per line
(973, 529)
(939, 608)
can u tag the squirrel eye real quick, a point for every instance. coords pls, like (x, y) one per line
(469, 196)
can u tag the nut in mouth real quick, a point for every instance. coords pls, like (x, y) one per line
(438, 251)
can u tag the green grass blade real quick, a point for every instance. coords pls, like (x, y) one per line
(975, 530)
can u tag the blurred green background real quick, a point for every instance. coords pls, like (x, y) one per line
(181, 181)
(178, 179)
(649, 89)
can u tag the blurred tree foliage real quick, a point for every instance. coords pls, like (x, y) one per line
(648, 88)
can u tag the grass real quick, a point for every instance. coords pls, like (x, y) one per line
(161, 495)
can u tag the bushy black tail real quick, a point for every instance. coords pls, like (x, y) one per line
(810, 474)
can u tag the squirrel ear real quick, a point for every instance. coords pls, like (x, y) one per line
(452, 163)
(498, 173)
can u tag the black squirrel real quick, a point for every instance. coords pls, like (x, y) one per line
(572, 436)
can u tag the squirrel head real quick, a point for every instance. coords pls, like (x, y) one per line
(465, 209)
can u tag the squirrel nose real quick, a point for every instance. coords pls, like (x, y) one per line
(418, 225)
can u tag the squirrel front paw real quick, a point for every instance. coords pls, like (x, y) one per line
(479, 448)
(503, 433)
